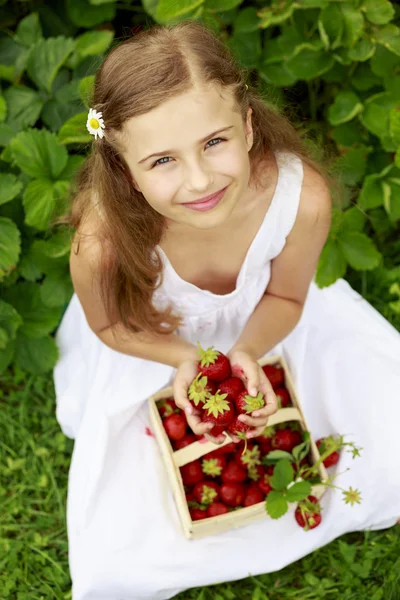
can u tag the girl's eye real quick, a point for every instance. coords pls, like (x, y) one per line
(165, 159)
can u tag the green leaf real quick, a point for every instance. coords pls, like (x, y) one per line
(247, 20)
(29, 31)
(92, 43)
(221, 5)
(74, 163)
(397, 159)
(74, 131)
(352, 165)
(168, 11)
(363, 78)
(277, 74)
(362, 50)
(83, 14)
(24, 106)
(56, 291)
(55, 113)
(345, 107)
(349, 134)
(86, 87)
(375, 116)
(36, 355)
(40, 201)
(309, 64)
(10, 246)
(283, 475)
(150, 6)
(384, 63)
(276, 14)
(331, 265)
(359, 250)
(330, 25)
(301, 450)
(378, 12)
(9, 53)
(298, 491)
(353, 219)
(394, 125)
(7, 356)
(38, 320)
(278, 454)
(389, 37)
(46, 58)
(9, 187)
(277, 504)
(3, 109)
(393, 208)
(38, 153)
(10, 320)
(353, 24)
(247, 48)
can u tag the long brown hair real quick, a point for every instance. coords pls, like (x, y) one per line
(137, 76)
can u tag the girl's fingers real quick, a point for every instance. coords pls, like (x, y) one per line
(215, 440)
(255, 432)
(253, 378)
(197, 426)
(253, 422)
(271, 402)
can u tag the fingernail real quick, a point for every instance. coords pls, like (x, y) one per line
(253, 392)
(202, 440)
(242, 418)
(256, 414)
(189, 410)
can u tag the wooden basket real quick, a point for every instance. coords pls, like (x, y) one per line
(173, 460)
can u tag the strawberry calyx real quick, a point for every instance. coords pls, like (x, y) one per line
(198, 392)
(211, 467)
(216, 404)
(207, 357)
(253, 403)
(251, 457)
(208, 495)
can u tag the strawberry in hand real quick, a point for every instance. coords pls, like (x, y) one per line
(259, 396)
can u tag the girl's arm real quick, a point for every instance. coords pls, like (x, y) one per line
(280, 309)
(84, 265)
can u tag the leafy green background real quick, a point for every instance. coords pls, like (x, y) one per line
(335, 66)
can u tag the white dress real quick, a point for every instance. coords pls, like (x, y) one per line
(125, 539)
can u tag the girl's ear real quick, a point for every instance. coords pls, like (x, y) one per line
(249, 130)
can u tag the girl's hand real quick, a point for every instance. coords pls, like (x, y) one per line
(245, 366)
(186, 372)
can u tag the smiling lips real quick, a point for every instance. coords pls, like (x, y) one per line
(207, 203)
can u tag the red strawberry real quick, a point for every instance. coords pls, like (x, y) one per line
(197, 514)
(167, 407)
(233, 473)
(232, 494)
(205, 492)
(253, 496)
(213, 364)
(275, 375)
(283, 397)
(256, 472)
(307, 513)
(218, 410)
(213, 466)
(330, 460)
(189, 497)
(246, 404)
(189, 438)
(192, 473)
(264, 485)
(286, 439)
(175, 425)
(238, 428)
(200, 390)
(217, 508)
(217, 429)
(232, 387)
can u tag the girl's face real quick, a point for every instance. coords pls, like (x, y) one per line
(189, 148)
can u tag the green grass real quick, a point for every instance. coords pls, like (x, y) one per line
(34, 462)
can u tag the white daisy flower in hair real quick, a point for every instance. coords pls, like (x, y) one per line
(95, 123)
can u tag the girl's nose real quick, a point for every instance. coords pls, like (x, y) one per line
(198, 178)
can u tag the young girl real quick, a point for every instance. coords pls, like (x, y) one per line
(200, 217)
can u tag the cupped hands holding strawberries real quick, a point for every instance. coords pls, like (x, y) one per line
(224, 394)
